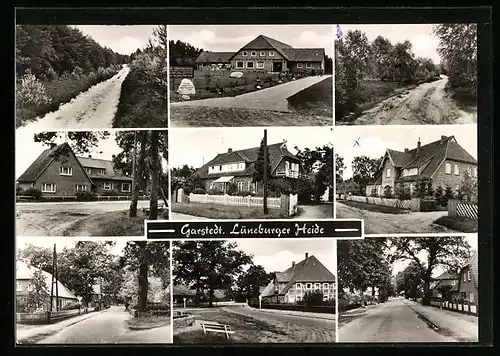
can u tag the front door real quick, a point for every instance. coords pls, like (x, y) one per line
(277, 66)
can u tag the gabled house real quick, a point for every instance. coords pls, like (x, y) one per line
(24, 277)
(59, 172)
(290, 286)
(238, 167)
(443, 161)
(445, 286)
(209, 60)
(180, 292)
(269, 55)
(469, 281)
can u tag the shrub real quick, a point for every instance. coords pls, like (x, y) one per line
(71, 306)
(245, 193)
(109, 193)
(387, 191)
(214, 191)
(32, 192)
(373, 192)
(32, 92)
(402, 192)
(85, 196)
(232, 188)
(199, 191)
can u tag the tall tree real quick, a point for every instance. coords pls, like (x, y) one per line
(37, 293)
(381, 56)
(248, 282)
(258, 174)
(365, 169)
(339, 168)
(36, 256)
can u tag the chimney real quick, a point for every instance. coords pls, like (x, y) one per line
(406, 150)
(443, 138)
(307, 255)
(418, 145)
(229, 150)
(90, 156)
(293, 264)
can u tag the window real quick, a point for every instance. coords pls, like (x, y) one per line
(325, 285)
(325, 297)
(65, 171)
(287, 166)
(126, 187)
(239, 64)
(475, 172)
(456, 171)
(48, 188)
(468, 275)
(245, 53)
(80, 187)
(253, 53)
(465, 277)
(249, 64)
(308, 286)
(101, 171)
(211, 185)
(19, 287)
(271, 53)
(249, 186)
(453, 282)
(309, 65)
(410, 172)
(317, 285)
(260, 65)
(388, 173)
(298, 298)
(299, 65)
(448, 168)
(262, 53)
(107, 186)
(88, 170)
(241, 185)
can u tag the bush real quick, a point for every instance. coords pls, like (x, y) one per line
(71, 306)
(85, 196)
(245, 193)
(31, 92)
(387, 191)
(214, 191)
(232, 189)
(32, 192)
(199, 191)
(109, 193)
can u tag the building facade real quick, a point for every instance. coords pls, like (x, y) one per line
(469, 281)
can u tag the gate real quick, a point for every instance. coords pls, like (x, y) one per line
(293, 205)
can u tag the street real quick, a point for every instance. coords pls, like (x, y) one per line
(318, 211)
(108, 327)
(383, 223)
(428, 103)
(52, 219)
(392, 321)
(92, 109)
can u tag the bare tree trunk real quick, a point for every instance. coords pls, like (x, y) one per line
(143, 276)
(155, 179)
(135, 190)
(210, 296)
(138, 172)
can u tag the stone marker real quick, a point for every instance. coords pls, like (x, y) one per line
(186, 97)
(186, 87)
(236, 75)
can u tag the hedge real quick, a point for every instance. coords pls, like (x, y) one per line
(295, 307)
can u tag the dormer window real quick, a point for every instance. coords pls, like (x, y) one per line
(244, 53)
(101, 172)
(88, 170)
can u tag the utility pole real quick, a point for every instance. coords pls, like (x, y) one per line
(54, 281)
(57, 279)
(265, 173)
(133, 161)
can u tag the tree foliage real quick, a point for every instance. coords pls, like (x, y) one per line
(365, 169)
(258, 174)
(248, 282)
(183, 54)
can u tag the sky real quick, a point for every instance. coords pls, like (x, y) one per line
(278, 255)
(195, 147)
(121, 39)
(374, 140)
(61, 243)
(401, 265)
(27, 150)
(230, 38)
(424, 42)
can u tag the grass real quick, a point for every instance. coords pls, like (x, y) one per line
(116, 223)
(375, 208)
(458, 223)
(148, 322)
(316, 100)
(219, 211)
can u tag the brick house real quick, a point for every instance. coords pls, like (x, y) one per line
(290, 286)
(59, 172)
(24, 276)
(238, 167)
(469, 280)
(443, 161)
(269, 55)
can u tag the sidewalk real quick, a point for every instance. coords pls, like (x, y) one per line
(25, 332)
(462, 327)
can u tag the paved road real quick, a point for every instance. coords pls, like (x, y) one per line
(428, 103)
(391, 321)
(320, 211)
(92, 109)
(51, 219)
(271, 99)
(108, 327)
(382, 223)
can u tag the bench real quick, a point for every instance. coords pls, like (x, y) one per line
(161, 206)
(216, 328)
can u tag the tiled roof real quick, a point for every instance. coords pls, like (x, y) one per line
(399, 158)
(25, 272)
(307, 270)
(214, 57)
(446, 275)
(305, 54)
(276, 152)
(268, 290)
(110, 172)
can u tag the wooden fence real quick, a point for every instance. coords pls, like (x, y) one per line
(395, 203)
(272, 203)
(461, 308)
(47, 317)
(463, 209)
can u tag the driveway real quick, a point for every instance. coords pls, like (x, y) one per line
(318, 211)
(382, 223)
(52, 219)
(270, 99)
(392, 321)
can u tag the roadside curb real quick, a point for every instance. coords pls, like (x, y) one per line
(426, 319)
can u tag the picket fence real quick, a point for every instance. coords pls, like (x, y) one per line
(462, 308)
(395, 203)
(272, 203)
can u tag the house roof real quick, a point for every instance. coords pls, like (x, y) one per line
(446, 275)
(268, 290)
(305, 54)
(182, 290)
(110, 172)
(214, 57)
(25, 272)
(276, 152)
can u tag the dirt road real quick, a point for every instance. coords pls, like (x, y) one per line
(428, 103)
(382, 223)
(93, 109)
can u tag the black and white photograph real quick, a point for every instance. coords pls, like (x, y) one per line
(408, 179)
(408, 289)
(90, 77)
(406, 74)
(92, 292)
(251, 291)
(90, 183)
(221, 173)
(248, 75)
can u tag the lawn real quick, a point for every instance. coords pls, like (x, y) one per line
(316, 100)
(374, 207)
(148, 322)
(116, 223)
(219, 211)
(458, 224)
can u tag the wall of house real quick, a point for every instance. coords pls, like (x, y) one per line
(65, 185)
(281, 167)
(296, 294)
(267, 59)
(394, 174)
(467, 287)
(247, 183)
(116, 186)
(23, 288)
(317, 66)
(452, 180)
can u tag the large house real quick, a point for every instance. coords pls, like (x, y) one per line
(59, 172)
(24, 277)
(238, 167)
(443, 161)
(469, 280)
(268, 55)
(290, 286)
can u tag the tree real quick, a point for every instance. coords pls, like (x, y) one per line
(439, 195)
(37, 295)
(354, 54)
(249, 282)
(420, 189)
(448, 193)
(318, 162)
(36, 256)
(364, 169)
(258, 174)
(339, 169)
(448, 252)
(468, 188)
(430, 189)
(409, 280)
(381, 49)
(387, 191)
(403, 62)
(81, 142)
(402, 192)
